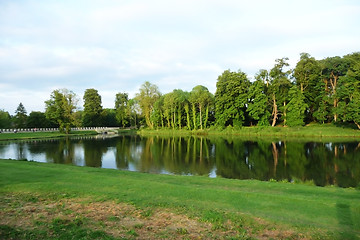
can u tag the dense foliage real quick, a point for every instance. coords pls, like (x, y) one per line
(322, 91)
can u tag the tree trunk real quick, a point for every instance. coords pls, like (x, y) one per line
(333, 83)
(275, 111)
(200, 108)
(187, 116)
(284, 113)
(335, 106)
(179, 117)
(358, 125)
(194, 115)
(206, 115)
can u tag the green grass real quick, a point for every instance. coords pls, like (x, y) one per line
(247, 208)
(37, 135)
(311, 130)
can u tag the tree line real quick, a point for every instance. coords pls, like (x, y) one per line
(323, 91)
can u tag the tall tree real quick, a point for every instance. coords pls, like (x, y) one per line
(60, 108)
(122, 114)
(349, 91)
(258, 105)
(231, 98)
(134, 111)
(332, 69)
(92, 116)
(147, 96)
(307, 77)
(278, 89)
(296, 108)
(38, 120)
(5, 119)
(201, 100)
(158, 115)
(20, 116)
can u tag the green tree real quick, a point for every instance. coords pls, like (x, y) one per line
(134, 110)
(231, 97)
(148, 95)
(307, 78)
(109, 118)
(258, 105)
(20, 116)
(332, 69)
(5, 119)
(201, 100)
(122, 114)
(322, 112)
(278, 89)
(92, 116)
(60, 109)
(349, 91)
(296, 108)
(158, 115)
(38, 120)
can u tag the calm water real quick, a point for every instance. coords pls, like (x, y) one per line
(324, 163)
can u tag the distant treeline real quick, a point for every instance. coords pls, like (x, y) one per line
(322, 91)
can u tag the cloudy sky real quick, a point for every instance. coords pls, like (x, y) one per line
(116, 45)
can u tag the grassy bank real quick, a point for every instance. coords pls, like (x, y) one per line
(312, 130)
(38, 135)
(40, 201)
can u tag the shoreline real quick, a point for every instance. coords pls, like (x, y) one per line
(310, 131)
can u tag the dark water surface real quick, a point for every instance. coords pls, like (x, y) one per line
(323, 163)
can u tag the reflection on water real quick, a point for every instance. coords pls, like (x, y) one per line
(324, 163)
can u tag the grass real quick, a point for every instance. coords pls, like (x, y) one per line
(39, 201)
(311, 130)
(37, 135)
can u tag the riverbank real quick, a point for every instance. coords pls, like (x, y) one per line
(57, 201)
(312, 130)
(39, 135)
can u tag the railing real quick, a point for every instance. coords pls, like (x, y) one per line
(16, 130)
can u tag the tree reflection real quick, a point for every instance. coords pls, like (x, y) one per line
(324, 163)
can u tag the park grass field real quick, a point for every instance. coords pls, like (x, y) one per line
(46, 201)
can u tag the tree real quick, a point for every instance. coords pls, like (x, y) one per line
(60, 109)
(278, 88)
(20, 117)
(134, 110)
(158, 115)
(38, 120)
(349, 91)
(258, 105)
(332, 69)
(121, 102)
(5, 119)
(296, 108)
(148, 95)
(307, 77)
(109, 118)
(231, 97)
(201, 100)
(92, 116)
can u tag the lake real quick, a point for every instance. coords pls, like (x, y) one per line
(317, 162)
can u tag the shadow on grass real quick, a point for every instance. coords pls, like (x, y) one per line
(346, 225)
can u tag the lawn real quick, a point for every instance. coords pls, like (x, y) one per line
(40, 201)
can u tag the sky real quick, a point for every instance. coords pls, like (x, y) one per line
(116, 45)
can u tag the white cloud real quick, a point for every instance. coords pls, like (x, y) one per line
(114, 46)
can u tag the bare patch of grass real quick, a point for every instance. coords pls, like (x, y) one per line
(111, 220)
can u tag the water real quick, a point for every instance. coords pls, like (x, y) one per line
(321, 163)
